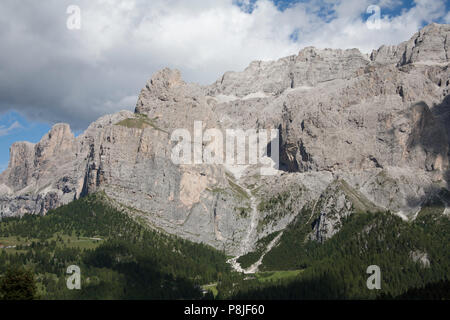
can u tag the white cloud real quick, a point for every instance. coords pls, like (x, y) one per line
(4, 131)
(54, 74)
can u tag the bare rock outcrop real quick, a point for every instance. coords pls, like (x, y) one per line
(430, 46)
(357, 133)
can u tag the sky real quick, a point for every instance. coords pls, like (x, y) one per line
(51, 72)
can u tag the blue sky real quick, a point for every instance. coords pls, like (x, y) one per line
(14, 127)
(49, 74)
(394, 9)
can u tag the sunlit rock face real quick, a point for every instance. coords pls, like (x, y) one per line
(357, 132)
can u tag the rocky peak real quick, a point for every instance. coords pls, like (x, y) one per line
(58, 141)
(19, 153)
(162, 90)
(311, 54)
(20, 166)
(165, 79)
(166, 93)
(381, 125)
(309, 68)
(431, 46)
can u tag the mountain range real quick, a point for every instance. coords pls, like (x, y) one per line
(359, 133)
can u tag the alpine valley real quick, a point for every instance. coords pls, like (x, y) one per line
(363, 180)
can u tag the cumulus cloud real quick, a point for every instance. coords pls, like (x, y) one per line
(4, 130)
(53, 74)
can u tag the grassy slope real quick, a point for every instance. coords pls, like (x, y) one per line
(140, 122)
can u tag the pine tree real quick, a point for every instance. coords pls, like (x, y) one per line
(18, 284)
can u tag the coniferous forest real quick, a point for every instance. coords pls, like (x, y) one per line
(118, 257)
(121, 258)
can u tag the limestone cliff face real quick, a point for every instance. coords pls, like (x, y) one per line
(310, 67)
(39, 176)
(430, 46)
(358, 133)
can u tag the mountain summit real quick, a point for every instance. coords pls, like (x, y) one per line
(357, 133)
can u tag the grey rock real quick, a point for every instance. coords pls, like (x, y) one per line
(421, 258)
(358, 133)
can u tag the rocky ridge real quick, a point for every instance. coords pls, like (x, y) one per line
(358, 133)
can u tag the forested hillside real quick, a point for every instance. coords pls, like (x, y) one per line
(121, 259)
(409, 254)
(118, 257)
